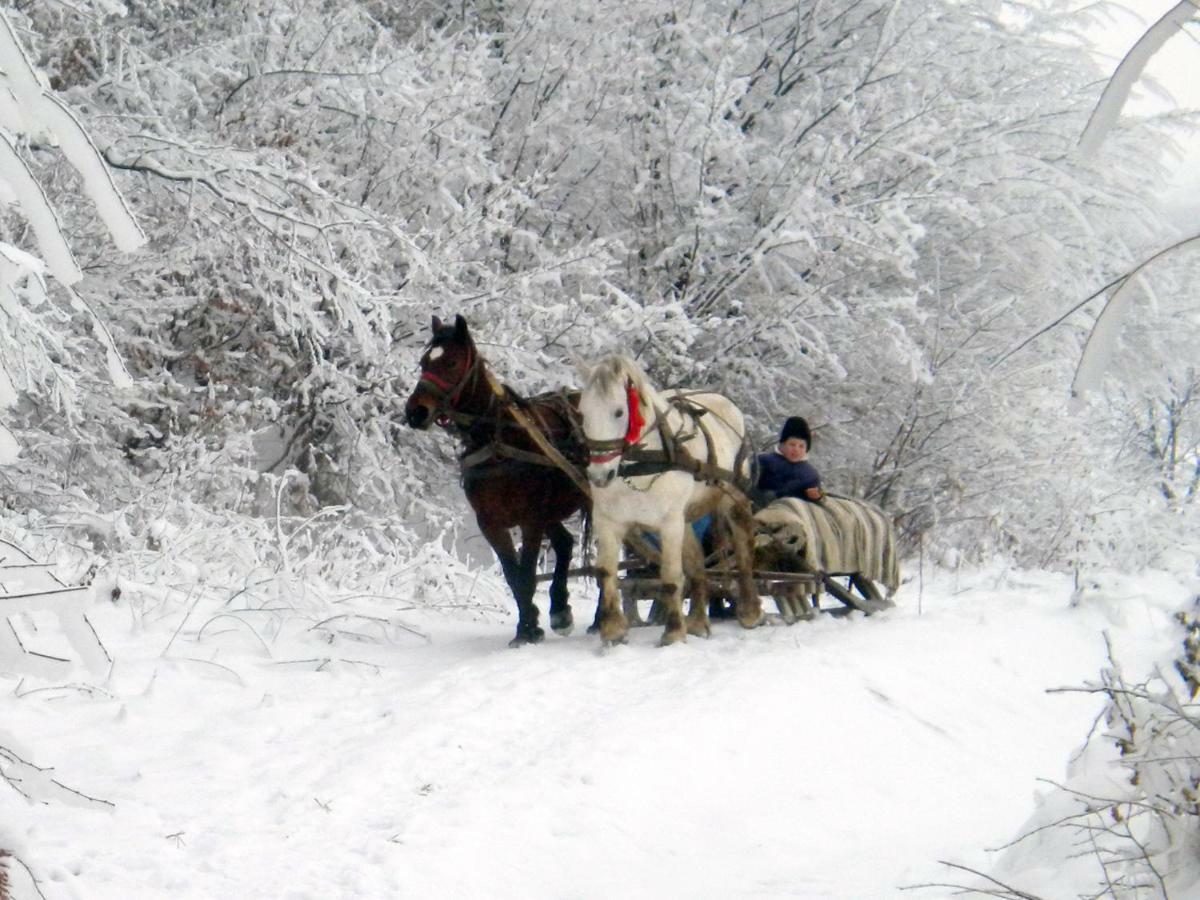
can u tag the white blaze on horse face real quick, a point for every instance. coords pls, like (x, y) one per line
(435, 354)
(605, 416)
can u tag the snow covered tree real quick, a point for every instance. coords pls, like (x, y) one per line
(49, 333)
(851, 211)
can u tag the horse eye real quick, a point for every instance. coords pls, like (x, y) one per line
(618, 413)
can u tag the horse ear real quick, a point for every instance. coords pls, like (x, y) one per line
(437, 324)
(460, 328)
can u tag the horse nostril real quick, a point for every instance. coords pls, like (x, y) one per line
(416, 416)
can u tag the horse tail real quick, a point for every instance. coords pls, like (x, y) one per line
(585, 537)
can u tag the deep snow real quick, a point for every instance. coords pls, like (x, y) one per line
(246, 756)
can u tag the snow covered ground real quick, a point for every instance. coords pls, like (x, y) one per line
(245, 756)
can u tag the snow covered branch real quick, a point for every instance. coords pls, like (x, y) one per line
(1116, 90)
(32, 108)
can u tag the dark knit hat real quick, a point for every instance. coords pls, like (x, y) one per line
(796, 427)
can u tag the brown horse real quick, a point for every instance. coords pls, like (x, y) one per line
(516, 466)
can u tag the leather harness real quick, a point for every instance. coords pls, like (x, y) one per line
(635, 460)
(674, 456)
(447, 395)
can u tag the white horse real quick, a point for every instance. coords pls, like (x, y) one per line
(656, 462)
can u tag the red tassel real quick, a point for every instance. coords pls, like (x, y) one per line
(636, 422)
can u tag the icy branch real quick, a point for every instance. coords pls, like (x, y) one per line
(39, 213)
(1102, 340)
(1116, 92)
(38, 108)
(1102, 337)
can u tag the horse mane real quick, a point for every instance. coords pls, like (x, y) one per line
(612, 372)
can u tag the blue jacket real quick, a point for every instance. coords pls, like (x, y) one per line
(785, 479)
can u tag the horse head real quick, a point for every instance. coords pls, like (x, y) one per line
(448, 366)
(616, 407)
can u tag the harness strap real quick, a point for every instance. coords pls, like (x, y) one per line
(656, 462)
(496, 450)
(538, 437)
(674, 456)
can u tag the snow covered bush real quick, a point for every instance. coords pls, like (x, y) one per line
(1127, 820)
(852, 211)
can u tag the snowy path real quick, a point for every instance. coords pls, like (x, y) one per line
(838, 759)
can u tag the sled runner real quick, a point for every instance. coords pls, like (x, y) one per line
(842, 547)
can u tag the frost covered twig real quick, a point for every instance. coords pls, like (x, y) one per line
(32, 881)
(37, 785)
(1000, 889)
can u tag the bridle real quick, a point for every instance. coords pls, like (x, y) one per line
(447, 393)
(601, 452)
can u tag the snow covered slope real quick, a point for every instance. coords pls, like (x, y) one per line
(837, 759)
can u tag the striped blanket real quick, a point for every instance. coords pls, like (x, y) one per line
(837, 536)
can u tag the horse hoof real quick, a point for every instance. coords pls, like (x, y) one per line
(700, 631)
(562, 623)
(672, 637)
(750, 617)
(612, 634)
(527, 636)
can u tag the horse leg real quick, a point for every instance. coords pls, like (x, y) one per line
(531, 548)
(562, 543)
(741, 526)
(671, 576)
(614, 628)
(528, 631)
(693, 565)
(630, 595)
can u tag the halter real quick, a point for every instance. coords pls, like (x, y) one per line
(606, 451)
(446, 393)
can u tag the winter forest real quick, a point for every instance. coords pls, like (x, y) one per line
(225, 228)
